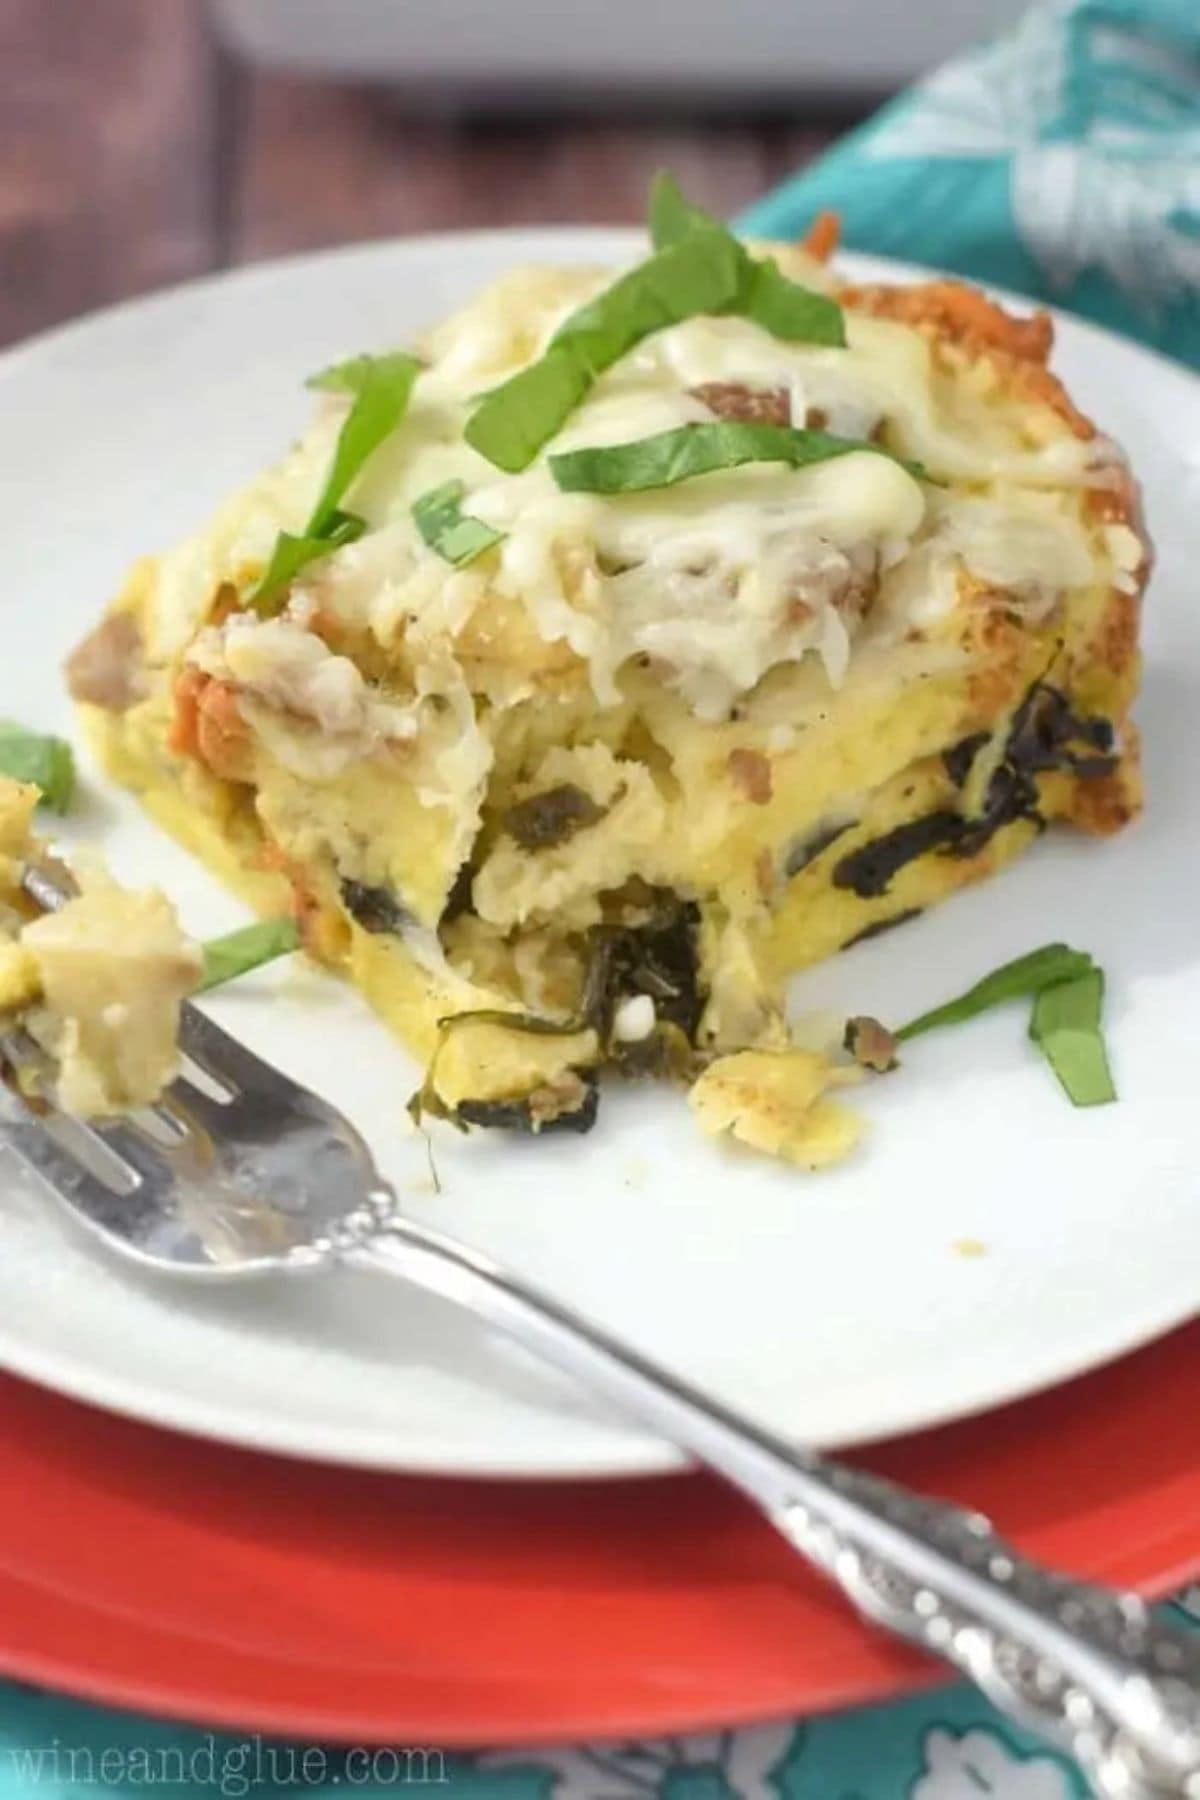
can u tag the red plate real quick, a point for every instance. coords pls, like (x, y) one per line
(185, 1578)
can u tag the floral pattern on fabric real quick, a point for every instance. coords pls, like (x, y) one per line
(1063, 160)
(710, 1765)
(970, 1763)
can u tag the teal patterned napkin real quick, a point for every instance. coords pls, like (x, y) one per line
(1062, 161)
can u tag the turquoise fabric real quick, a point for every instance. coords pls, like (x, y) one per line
(1062, 161)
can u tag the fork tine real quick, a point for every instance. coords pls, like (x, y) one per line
(49, 882)
(192, 1107)
(236, 1166)
(132, 1146)
(221, 1057)
(50, 1159)
(123, 1139)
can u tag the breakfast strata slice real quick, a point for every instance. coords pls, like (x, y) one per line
(636, 642)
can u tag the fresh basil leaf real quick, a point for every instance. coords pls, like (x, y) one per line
(292, 554)
(782, 307)
(510, 425)
(1066, 1028)
(691, 450)
(671, 215)
(446, 528)
(798, 315)
(225, 958)
(700, 274)
(342, 378)
(697, 267)
(1027, 975)
(46, 763)
(350, 376)
(382, 386)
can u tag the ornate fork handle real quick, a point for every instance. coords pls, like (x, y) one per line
(1088, 1668)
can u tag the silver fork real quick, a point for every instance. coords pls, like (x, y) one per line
(240, 1172)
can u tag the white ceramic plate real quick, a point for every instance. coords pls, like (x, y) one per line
(833, 1308)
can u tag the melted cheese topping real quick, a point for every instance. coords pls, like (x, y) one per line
(713, 583)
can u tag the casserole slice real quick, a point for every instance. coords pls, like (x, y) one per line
(746, 615)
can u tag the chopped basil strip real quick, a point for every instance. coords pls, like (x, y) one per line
(238, 952)
(697, 267)
(671, 215)
(1066, 1028)
(700, 274)
(690, 450)
(341, 378)
(381, 387)
(798, 315)
(446, 528)
(291, 554)
(350, 377)
(510, 425)
(1027, 976)
(782, 307)
(45, 762)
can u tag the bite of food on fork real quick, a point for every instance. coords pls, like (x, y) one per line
(97, 985)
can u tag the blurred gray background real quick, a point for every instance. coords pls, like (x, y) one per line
(143, 141)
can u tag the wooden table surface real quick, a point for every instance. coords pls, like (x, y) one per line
(133, 153)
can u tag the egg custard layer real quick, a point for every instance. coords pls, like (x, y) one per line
(570, 775)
